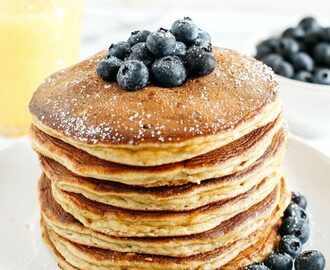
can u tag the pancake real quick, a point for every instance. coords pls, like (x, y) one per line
(239, 226)
(86, 258)
(122, 222)
(171, 198)
(156, 125)
(177, 198)
(62, 263)
(254, 253)
(226, 160)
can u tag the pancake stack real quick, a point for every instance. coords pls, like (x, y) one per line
(161, 178)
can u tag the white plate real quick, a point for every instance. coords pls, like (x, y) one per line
(21, 247)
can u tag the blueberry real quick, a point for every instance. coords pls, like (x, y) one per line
(263, 51)
(287, 46)
(133, 75)
(203, 39)
(290, 245)
(294, 32)
(140, 52)
(279, 260)
(266, 47)
(161, 42)
(138, 36)
(310, 260)
(256, 266)
(107, 68)
(270, 42)
(284, 69)
(302, 46)
(299, 199)
(119, 49)
(185, 30)
(296, 227)
(294, 210)
(321, 53)
(180, 49)
(303, 76)
(322, 76)
(302, 61)
(199, 61)
(168, 71)
(309, 24)
(326, 34)
(313, 37)
(272, 60)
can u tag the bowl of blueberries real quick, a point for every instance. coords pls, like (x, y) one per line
(300, 56)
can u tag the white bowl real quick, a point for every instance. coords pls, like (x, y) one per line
(306, 105)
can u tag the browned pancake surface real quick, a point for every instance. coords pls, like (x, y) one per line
(55, 212)
(78, 104)
(101, 254)
(224, 153)
(254, 253)
(58, 173)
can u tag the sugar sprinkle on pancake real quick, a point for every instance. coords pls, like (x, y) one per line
(157, 126)
(175, 165)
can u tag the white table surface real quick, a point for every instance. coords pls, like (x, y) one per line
(104, 24)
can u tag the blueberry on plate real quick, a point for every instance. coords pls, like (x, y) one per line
(294, 210)
(133, 75)
(310, 260)
(295, 227)
(322, 76)
(138, 36)
(161, 42)
(199, 61)
(304, 76)
(107, 68)
(285, 69)
(272, 60)
(279, 260)
(309, 24)
(185, 30)
(180, 49)
(119, 49)
(168, 71)
(290, 245)
(203, 39)
(294, 32)
(299, 199)
(140, 52)
(302, 61)
(321, 53)
(256, 266)
(287, 46)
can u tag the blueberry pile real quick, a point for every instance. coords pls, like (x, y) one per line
(294, 233)
(164, 57)
(301, 52)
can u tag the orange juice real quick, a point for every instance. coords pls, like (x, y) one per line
(37, 37)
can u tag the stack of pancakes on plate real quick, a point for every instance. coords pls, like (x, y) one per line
(161, 178)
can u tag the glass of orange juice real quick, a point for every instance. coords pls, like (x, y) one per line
(37, 37)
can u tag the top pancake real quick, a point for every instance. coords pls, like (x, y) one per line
(77, 106)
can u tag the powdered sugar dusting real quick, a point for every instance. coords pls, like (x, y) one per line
(80, 105)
